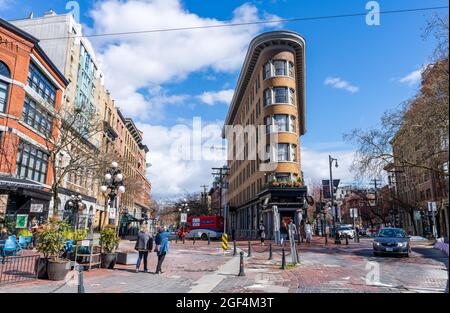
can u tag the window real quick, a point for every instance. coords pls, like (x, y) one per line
(267, 70)
(283, 176)
(281, 122)
(267, 97)
(293, 153)
(278, 68)
(36, 117)
(268, 124)
(4, 71)
(282, 152)
(31, 163)
(281, 94)
(292, 123)
(39, 83)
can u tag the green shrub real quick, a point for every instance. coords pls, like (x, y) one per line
(109, 240)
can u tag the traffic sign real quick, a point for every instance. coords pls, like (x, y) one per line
(224, 242)
(183, 217)
(354, 212)
(432, 206)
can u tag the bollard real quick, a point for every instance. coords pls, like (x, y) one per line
(183, 239)
(346, 240)
(176, 239)
(80, 279)
(241, 264)
(357, 237)
(193, 242)
(326, 240)
(283, 259)
(234, 248)
(209, 239)
(270, 252)
(249, 250)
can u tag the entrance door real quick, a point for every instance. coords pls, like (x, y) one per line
(285, 217)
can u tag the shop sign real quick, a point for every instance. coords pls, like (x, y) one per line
(36, 208)
(21, 220)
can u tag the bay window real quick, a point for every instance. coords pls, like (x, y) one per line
(37, 117)
(275, 68)
(292, 123)
(39, 83)
(283, 152)
(267, 97)
(281, 122)
(4, 71)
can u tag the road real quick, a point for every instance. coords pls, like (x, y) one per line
(323, 268)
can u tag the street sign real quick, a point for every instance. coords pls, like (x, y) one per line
(432, 206)
(21, 220)
(36, 207)
(354, 212)
(224, 242)
(112, 213)
(183, 217)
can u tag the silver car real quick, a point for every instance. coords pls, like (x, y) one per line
(345, 231)
(391, 241)
(203, 234)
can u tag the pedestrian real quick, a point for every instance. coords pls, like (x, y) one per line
(4, 234)
(161, 247)
(308, 231)
(144, 244)
(233, 234)
(262, 232)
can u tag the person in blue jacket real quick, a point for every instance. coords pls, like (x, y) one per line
(162, 247)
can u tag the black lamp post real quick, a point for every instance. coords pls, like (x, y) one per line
(333, 203)
(74, 205)
(184, 209)
(113, 185)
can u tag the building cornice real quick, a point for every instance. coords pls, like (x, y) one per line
(257, 45)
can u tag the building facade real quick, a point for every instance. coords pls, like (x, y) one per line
(269, 102)
(114, 140)
(31, 93)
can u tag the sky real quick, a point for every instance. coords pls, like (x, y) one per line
(354, 72)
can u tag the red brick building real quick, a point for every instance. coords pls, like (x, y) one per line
(31, 89)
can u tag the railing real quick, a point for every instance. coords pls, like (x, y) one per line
(14, 269)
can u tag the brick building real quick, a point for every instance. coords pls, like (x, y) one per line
(31, 92)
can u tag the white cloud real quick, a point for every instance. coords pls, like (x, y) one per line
(412, 78)
(171, 175)
(139, 61)
(214, 97)
(339, 83)
(315, 165)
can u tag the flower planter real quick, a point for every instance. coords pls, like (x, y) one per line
(127, 258)
(108, 260)
(57, 270)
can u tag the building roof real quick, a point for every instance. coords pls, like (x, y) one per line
(10, 27)
(257, 45)
(133, 130)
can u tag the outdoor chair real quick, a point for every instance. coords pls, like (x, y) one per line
(10, 248)
(22, 242)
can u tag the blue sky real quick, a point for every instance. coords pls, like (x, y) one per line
(375, 66)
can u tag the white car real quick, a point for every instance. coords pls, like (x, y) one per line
(346, 231)
(203, 234)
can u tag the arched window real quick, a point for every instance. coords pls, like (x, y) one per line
(4, 71)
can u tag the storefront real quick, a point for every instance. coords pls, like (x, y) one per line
(23, 201)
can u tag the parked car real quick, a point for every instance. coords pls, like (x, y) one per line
(391, 241)
(203, 234)
(344, 231)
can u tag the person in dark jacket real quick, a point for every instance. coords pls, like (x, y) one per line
(161, 247)
(144, 244)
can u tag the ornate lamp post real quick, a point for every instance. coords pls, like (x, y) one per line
(184, 209)
(333, 203)
(113, 185)
(74, 205)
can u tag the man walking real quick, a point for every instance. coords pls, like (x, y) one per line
(262, 232)
(144, 244)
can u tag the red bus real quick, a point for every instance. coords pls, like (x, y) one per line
(213, 223)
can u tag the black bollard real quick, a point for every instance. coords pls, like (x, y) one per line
(176, 239)
(326, 240)
(357, 237)
(241, 264)
(249, 250)
(283, 259)
(80, 279)
(193, 242)
(183, 239)
(209, 239)
(346, 240)
(234, 248)
(270, 252)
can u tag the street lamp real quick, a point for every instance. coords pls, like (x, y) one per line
(112, 186)
(337, 240)
(74, 205)
(184, 209)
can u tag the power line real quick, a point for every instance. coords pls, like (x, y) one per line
(273, 21)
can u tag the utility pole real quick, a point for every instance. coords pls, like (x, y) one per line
(205, 197)
(220, 173)
(374, 182)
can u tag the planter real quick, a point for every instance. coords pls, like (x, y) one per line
(41, 268)
(109, 260)
(127, 258)
(57, 270)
